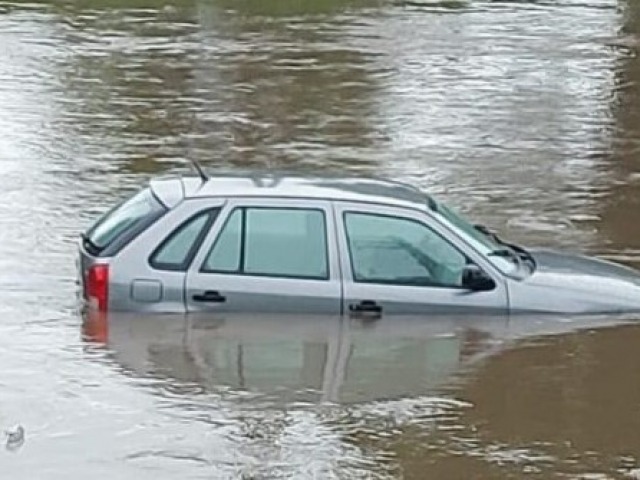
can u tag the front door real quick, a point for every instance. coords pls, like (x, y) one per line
(268, 255)
(402, 261)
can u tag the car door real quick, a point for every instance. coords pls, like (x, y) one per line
(402, 261)
(268, 255)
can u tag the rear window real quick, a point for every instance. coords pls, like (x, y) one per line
(123, 223)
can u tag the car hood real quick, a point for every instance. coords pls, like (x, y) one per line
(549, 261)
(592, 283)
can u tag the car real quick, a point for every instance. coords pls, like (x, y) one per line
(322, 244)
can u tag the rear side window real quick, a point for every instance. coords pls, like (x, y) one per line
(226, 253)
(177, 251)
(275, 242)
(123, 223)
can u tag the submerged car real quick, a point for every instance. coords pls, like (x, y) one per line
(312, 244)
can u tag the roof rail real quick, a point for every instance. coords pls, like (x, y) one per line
(196, 166)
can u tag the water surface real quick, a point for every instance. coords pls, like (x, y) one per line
(523, 115)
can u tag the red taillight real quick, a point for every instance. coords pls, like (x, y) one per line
(97, 287)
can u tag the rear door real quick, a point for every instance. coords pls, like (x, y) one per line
(268, 255)
(401, 261)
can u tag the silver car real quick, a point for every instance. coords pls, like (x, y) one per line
(280, 243)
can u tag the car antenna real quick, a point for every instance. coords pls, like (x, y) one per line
(196, 166)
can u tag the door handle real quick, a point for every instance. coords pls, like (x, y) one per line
(211, 296)
(365, 306)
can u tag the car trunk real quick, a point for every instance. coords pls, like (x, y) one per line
(115, 230)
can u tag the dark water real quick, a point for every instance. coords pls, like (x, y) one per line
(524, 115)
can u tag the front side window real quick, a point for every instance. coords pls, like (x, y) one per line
(477, 239)
(401, 251)
(179, 248)
(277, 242)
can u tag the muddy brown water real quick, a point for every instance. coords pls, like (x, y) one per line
(523, 115)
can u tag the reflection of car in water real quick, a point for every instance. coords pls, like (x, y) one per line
(310, 358)
(315, 358)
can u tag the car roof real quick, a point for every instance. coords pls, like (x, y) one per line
(342, 188)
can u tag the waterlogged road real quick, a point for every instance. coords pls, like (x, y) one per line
(524, 115)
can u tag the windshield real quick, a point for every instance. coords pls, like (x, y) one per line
(126, 220)
(483, 243)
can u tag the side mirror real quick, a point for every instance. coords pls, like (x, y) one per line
(475, 279)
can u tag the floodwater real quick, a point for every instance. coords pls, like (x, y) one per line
(525, 115)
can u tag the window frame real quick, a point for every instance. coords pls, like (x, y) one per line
(242, 257)
(212, 214)
(349, 252)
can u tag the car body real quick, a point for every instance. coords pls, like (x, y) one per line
(325, 245)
